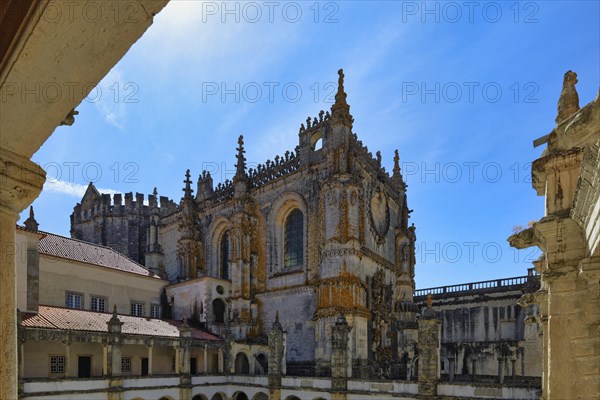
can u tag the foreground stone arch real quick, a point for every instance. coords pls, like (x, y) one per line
(219, 396)
(240, 396)
(31, 120)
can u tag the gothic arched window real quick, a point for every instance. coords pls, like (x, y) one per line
(293, 239)
(242, 366)
(218, 311)
(224, 257)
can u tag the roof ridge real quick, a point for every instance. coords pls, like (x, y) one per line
(136, 327)
(152, 274)
(89, 243)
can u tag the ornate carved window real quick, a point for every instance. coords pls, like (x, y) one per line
(224, 256)
(293, 239)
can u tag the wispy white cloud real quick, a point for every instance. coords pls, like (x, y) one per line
(199, 35)
(70, 189)
(111, 97)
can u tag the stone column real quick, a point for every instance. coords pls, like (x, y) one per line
(340, 365)
(276, 359)
(67, 344)
(150, 356)
(500, 370)
(451, 368)
(21, 365)
(184, 350)
(513, 362)
(205, 360)
(105, 359)
(33, 264)
(429, 353)
(21, 182)
(220, 362)
(115, 342)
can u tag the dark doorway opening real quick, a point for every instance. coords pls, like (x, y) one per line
(84, 367)
(193, 366)
(144, 366)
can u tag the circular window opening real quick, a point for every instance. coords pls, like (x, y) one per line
(220, 289)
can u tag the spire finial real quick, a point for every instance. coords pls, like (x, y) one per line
(241, 159)
(277, 325)
(114, 310)
(340, 96)
(396, 163)
(429, 300)
(340, 109)
(155, 192)
(30, 223)
(187, 190)
(568, 103)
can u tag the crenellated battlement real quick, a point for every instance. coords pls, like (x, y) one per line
(120, 204)
(120, 220)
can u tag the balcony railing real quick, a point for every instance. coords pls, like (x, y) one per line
(508, 283)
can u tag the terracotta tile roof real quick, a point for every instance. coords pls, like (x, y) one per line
(84, 320)
(77, 250)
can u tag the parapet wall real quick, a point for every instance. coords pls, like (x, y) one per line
(106, 206)
(528, 283)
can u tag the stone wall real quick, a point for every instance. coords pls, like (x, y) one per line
(567, 174)
(482, 323)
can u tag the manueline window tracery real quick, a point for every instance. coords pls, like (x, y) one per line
(224, 256)
(293, 239)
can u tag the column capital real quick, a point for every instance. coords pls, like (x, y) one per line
(21, 181)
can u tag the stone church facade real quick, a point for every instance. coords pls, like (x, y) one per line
(316, 233)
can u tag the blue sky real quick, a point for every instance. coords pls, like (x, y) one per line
(460, 89)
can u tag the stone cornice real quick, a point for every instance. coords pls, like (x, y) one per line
(70, 337)
(21, 181)
(557, 161)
